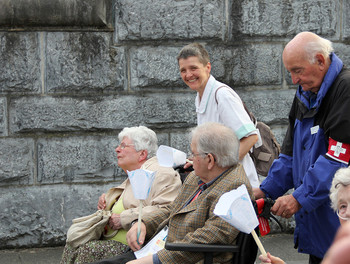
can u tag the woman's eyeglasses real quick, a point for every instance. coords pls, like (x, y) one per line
(123, 145)
(341, 212)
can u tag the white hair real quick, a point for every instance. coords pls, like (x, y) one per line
(341, 178)
(142, 137)
(218, 140)
(321, 45)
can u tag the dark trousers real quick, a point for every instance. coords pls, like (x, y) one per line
(121, 259)
(314, 260)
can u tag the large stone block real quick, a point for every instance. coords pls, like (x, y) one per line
(280, 18)
(152, 67)
(250, 64)
(16, 161)
(162, 19)
(270, 106)
(83, 62)
(62, 114)
(40, 216)
(3, 117)
(55, 13)
(19, 63)
(78, 159)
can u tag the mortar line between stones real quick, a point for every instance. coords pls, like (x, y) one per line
(226, 12)
(42, 61)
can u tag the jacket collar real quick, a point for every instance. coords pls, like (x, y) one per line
(332, 73)
(149, 162)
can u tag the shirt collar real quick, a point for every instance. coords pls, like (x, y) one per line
(201, 105)
(204, 186)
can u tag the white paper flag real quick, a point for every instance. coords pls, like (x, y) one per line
(170, 157)
(236, 208)
(141, 182)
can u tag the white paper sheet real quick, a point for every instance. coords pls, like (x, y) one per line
(236, 208)
(141, 182)
(170, 157)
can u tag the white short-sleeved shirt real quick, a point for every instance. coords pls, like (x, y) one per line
(228, 110)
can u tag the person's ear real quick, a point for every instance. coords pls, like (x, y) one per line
(208, 66)
(320, 61)
(211, 161)
(143, 155)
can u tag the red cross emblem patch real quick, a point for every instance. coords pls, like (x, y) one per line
(338, 151)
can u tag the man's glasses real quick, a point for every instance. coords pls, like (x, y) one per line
(192, 155)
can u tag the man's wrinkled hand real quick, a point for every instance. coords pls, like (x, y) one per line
(286, 206)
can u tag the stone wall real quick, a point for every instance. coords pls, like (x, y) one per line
(74, 73)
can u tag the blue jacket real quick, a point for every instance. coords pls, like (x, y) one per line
(303, 165)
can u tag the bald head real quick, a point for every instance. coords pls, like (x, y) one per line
(307, 58)
(307, 45)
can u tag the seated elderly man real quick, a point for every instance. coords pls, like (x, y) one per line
(190, 218)
(137, 149)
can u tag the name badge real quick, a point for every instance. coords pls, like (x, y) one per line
(314, 129)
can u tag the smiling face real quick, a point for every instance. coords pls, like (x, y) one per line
(194, 73)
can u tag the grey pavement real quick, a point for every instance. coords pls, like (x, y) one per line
(280, 245)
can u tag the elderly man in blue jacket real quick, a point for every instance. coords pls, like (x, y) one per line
(316, 145)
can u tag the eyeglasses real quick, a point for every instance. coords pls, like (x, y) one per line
(192, 155)
(123, 145)
(342, 213)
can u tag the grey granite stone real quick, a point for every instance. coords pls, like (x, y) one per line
(55, 13)
(78, 159)
(270, 106)
(17, 164)
(19, 62)
(343, 52)
(280, 132)
(83, 62)
(163, 138)
(44, 213)
(284, 18)
(55, 114)
(154, 67)
(159, 19)
(251, 64)
(181, 140)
